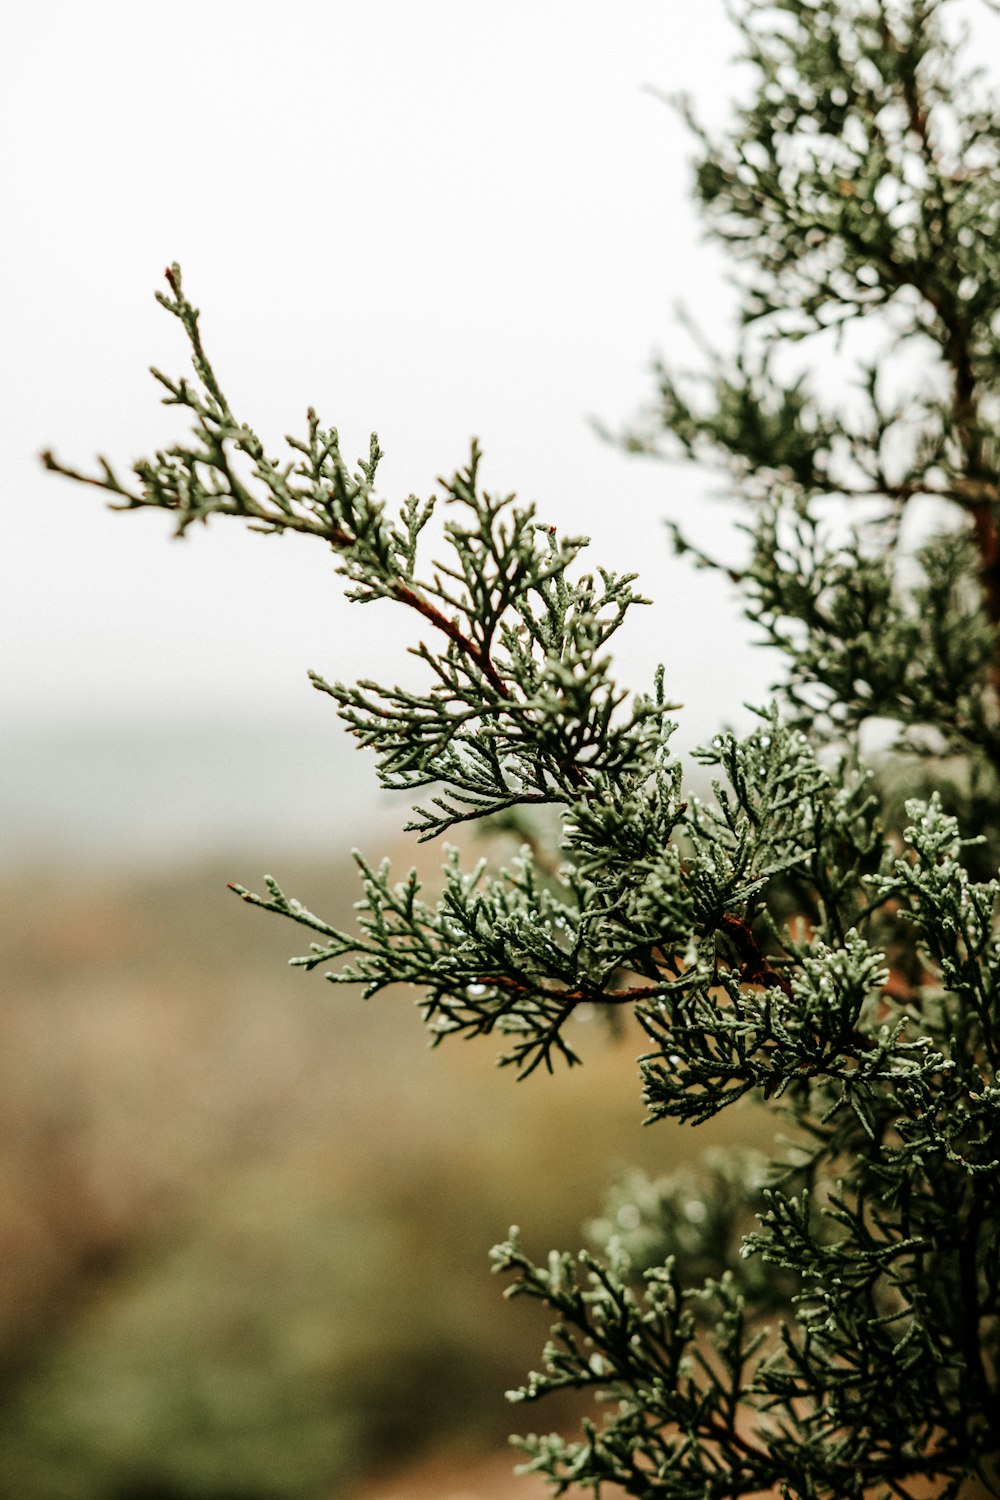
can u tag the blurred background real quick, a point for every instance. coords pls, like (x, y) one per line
(245, 1218)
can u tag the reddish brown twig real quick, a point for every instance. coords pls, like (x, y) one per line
(756, 966)
(468, 647)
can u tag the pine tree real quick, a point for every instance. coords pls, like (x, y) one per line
(819, 933)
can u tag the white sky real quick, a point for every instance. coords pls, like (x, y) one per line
(436, 219)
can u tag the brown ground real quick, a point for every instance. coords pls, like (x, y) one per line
(450, 1478)
(190, 1131)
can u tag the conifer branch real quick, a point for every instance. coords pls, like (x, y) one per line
(816, 933)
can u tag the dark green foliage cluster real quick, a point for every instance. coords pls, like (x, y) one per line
(825, 1325)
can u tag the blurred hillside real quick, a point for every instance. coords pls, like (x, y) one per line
(115, 795)
(247, 1216)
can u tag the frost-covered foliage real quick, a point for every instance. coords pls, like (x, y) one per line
(819, 933)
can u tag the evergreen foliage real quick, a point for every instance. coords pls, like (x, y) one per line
(821, 932)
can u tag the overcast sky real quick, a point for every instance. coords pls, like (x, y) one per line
(438, 220)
